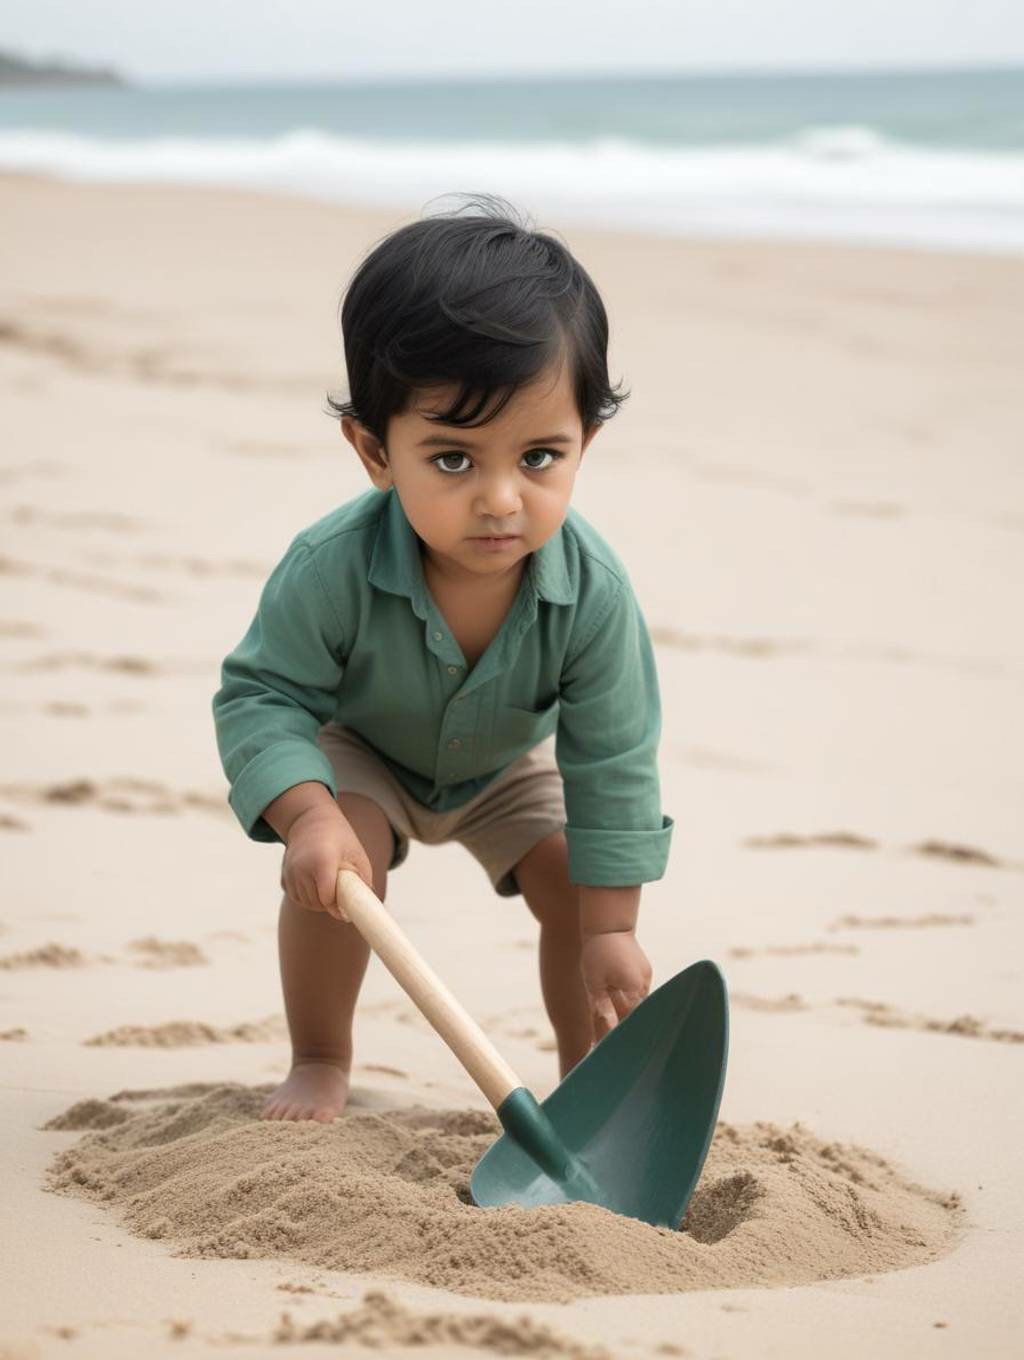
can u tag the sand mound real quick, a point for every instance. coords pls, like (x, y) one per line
(89, 1114)
(390, 1194)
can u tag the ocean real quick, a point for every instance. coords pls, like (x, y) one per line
(930, 159)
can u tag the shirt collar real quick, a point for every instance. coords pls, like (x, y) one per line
(396, 566)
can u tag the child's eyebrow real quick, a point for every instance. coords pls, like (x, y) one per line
(444, 439)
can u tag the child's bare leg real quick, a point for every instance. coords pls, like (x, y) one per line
(565, 997)
(544, 881)
(323, 962)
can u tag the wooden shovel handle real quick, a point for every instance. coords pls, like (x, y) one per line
(360, 905)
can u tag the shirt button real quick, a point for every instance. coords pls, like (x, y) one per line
(454, 744)
(438, 637)
(453, 670)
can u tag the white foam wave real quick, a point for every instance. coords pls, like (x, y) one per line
(845, 182)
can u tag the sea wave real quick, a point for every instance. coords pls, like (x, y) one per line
(848, 182)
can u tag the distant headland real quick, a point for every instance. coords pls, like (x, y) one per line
(16, 70)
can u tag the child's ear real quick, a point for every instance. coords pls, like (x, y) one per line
(371, 451)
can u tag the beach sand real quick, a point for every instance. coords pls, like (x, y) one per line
(818, 491)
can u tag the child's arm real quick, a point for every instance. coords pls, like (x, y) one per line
(609, 725)
(607, 748)
(288, 807)
(277, 687)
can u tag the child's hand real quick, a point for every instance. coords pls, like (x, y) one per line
(320, 842)
(617, 975)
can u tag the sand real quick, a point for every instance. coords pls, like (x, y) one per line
(817, 488)
(389, 1194)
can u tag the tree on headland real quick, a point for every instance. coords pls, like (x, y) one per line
(15, 70)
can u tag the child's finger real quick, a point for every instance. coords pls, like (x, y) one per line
(624, 1000)
(604, 1015)
(326, 889)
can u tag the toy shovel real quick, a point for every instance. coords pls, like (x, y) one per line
(630, 1125)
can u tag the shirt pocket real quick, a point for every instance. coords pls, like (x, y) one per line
(517, 729)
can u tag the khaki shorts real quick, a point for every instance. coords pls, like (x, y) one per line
(518, 808)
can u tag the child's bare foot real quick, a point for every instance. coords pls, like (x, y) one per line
(311, 1090)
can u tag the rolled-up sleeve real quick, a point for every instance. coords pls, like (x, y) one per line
(277, 687)
(606, 747)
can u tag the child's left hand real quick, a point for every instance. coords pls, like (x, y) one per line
(617, 975)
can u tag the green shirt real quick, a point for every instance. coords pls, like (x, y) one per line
(346, 629)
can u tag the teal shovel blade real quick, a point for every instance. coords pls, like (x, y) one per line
(630, 1126)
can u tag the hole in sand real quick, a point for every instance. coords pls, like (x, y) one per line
(717, 1208)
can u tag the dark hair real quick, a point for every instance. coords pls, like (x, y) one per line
(480, 299)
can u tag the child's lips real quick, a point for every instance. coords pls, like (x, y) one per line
(495, 542)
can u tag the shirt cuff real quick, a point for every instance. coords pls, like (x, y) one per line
(609, 857)
(268, 774)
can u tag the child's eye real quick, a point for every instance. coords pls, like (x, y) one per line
(534, 467)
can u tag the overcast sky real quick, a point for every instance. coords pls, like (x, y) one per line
(168, 39)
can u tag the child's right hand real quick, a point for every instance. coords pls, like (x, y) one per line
(320, 842)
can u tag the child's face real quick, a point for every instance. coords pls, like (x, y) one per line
(504, 477)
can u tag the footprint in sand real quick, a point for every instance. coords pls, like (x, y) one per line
(80, 580)
(124, 665)
(936, 849)
(967, 1026)
(379, 1319)
(888, 1017)
(119, 794)
(959, 854)
(64, 708)
(791, 840)
(45, 956)
(13, 1036)
(156, 953)
(146, 363)
(143, 666)
(149, 952)
(190, 1034)
(193, 566)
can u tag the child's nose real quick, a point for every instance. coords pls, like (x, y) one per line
(499, 497)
